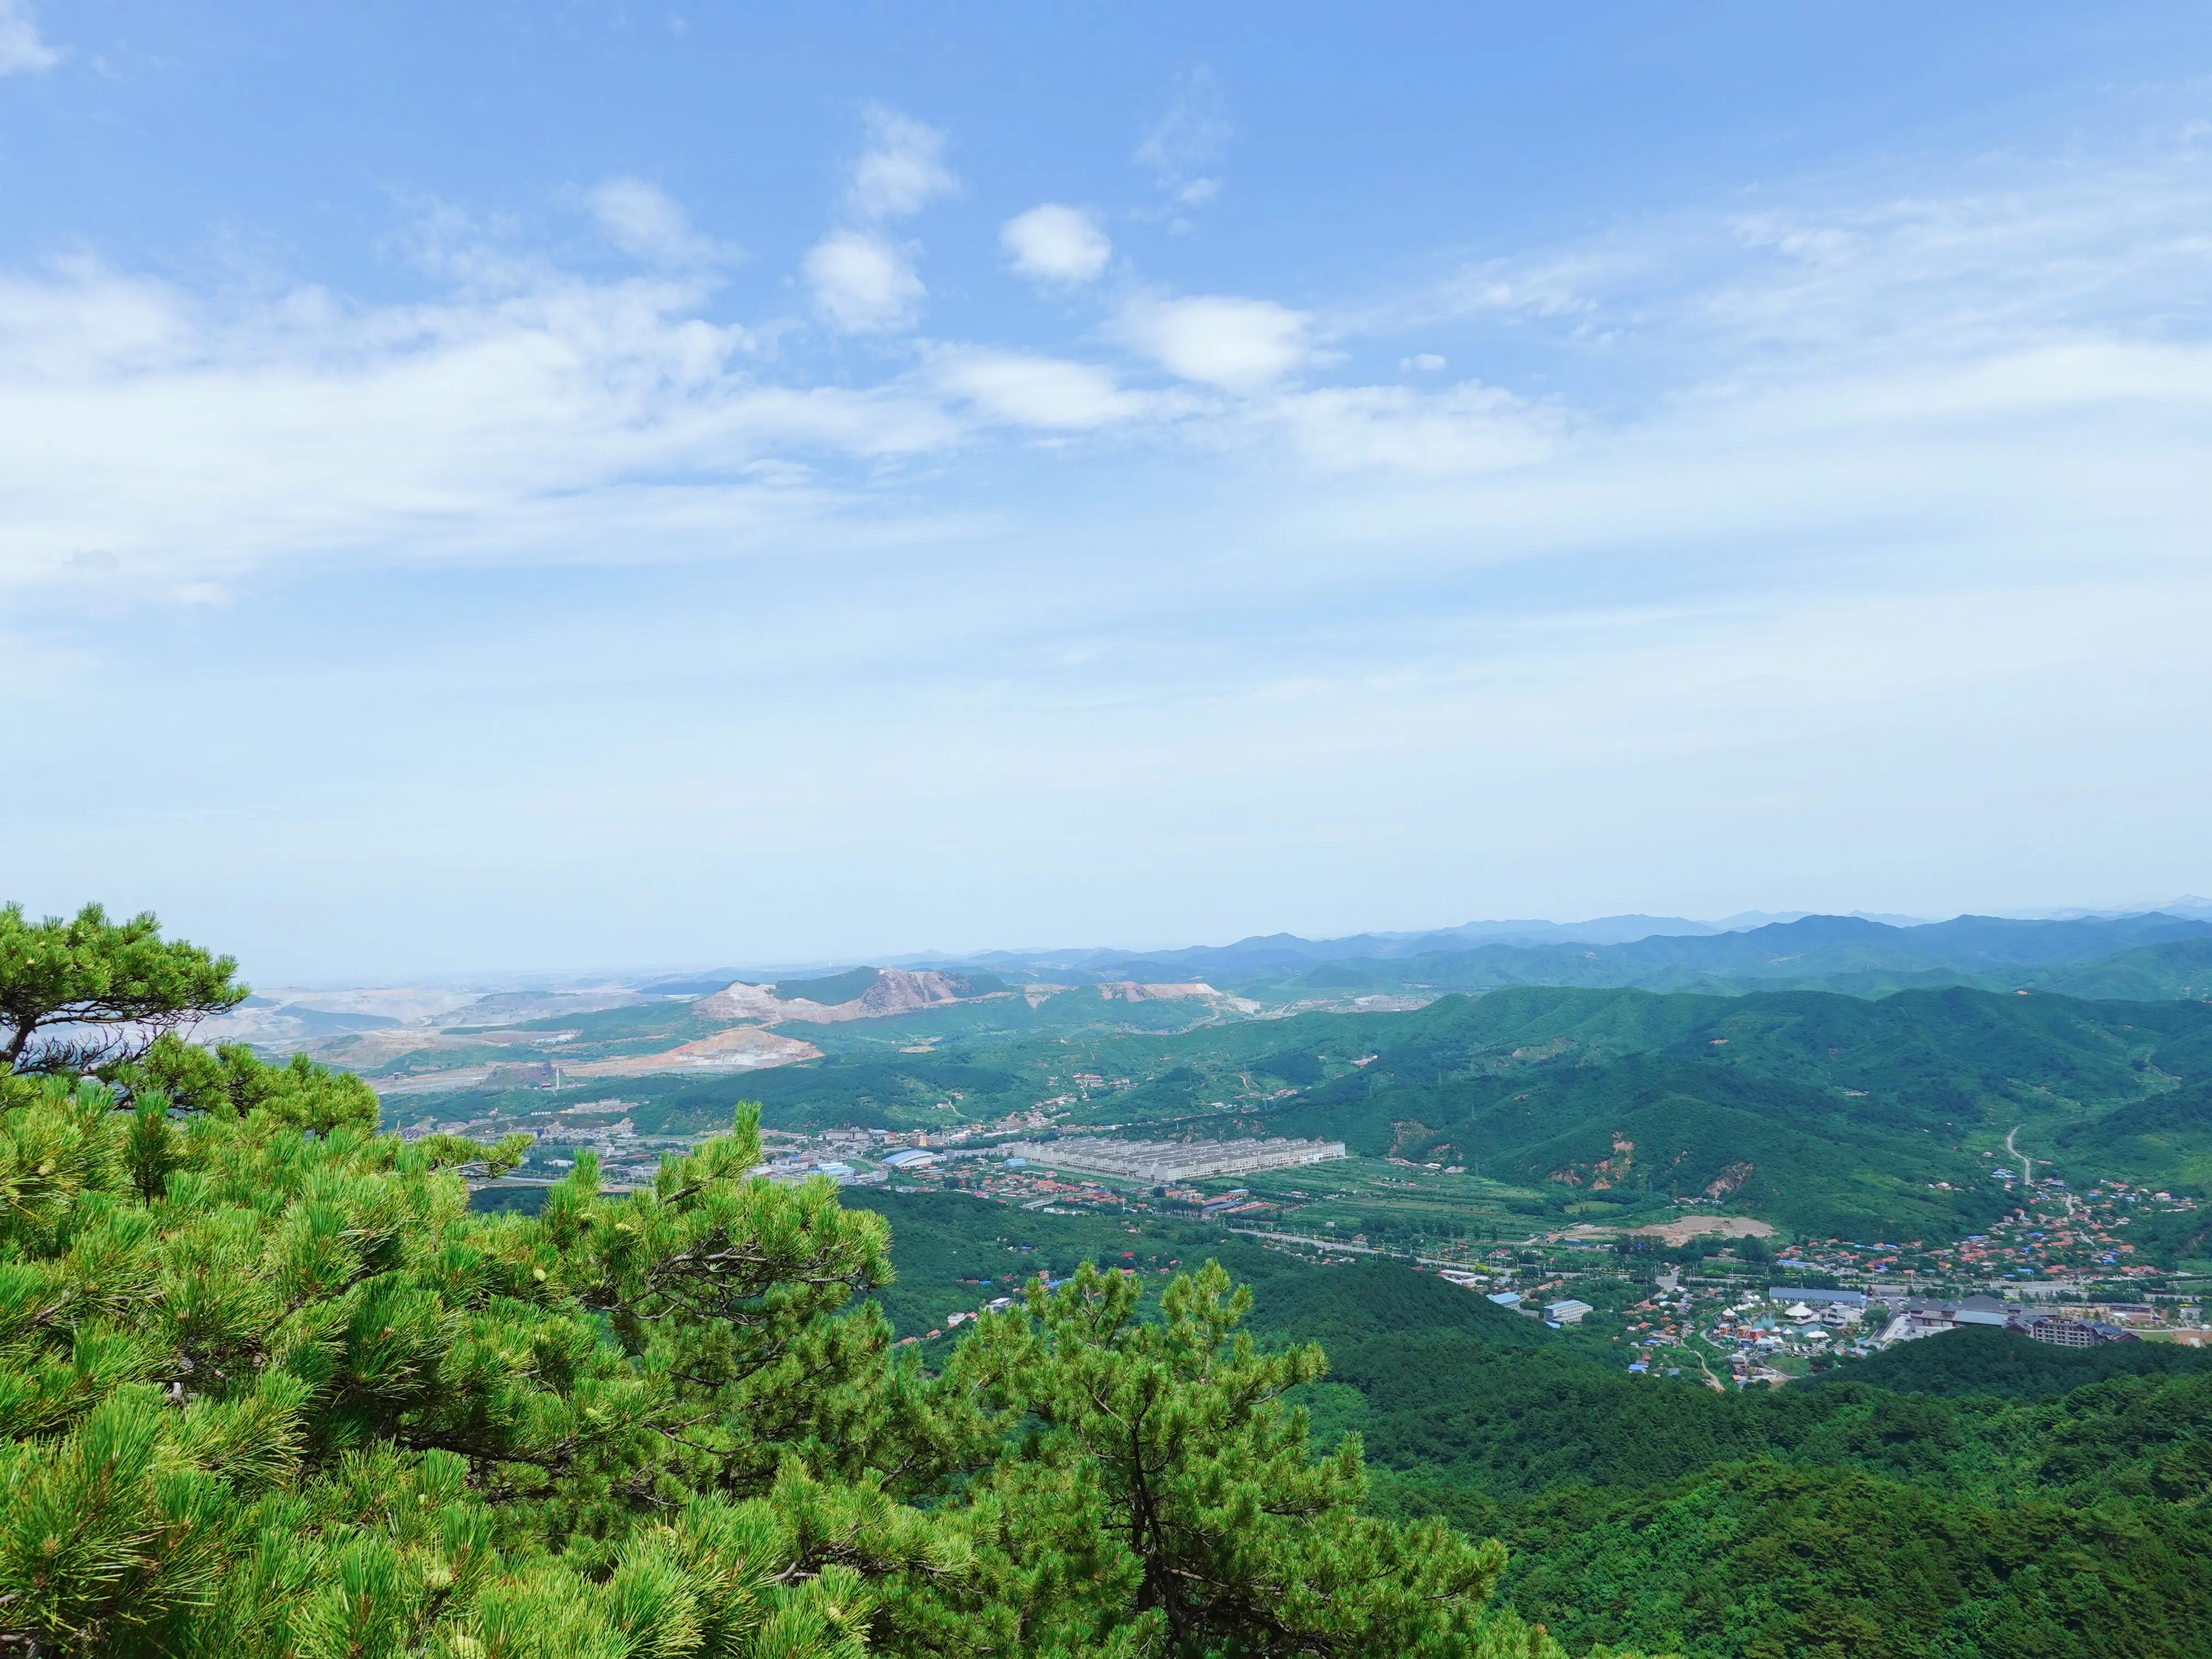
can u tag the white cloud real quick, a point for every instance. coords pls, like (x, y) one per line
(1238, 345)
(902, 169)
(863, 284)
(1425, 362)
(22, 50)
(647, 223)
(1057, 244)
(1943, 362)
(1040, 392)
(163, 439)
(1189, 139)
(859, 280)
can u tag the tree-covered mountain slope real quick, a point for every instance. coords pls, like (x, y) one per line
(1834, 1114)
(1985, 1359)
(2179, 968)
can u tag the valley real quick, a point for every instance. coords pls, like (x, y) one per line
(1896, 1120)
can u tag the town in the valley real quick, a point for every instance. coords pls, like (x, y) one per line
(1729, 1304)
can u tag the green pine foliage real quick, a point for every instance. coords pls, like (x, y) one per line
(270, 1387)
(1772, 1560)
(80, 991)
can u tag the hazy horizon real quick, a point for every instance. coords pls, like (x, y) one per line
(494, 976)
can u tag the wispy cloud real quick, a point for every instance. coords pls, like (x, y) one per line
(2003, 254)
(647, 222)
(1045, 392)
(1460, 432)
(2011, 375)
(22, 51)
(1183, 146)
(168, 437)
(1975, 384)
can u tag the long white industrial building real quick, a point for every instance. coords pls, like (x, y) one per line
(1158, 1162)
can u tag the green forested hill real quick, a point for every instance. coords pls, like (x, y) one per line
(1831, 1114)
(1828, 1114)
(2163, 1138)
(1766, 1559)
(2178, 968)
(1985, 1360)
(2136, 957)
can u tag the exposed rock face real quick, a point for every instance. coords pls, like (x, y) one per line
(739, 1001)
(741, 1049)
(897, 992)
(1729, 1180)
(894, 992)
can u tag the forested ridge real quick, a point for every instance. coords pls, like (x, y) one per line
(1832, 1115)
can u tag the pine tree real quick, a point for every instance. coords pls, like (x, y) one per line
(111, 985)
(270, 1387)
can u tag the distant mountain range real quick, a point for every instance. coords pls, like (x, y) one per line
(1859, 953)
(1862, 953)
(2153, 956)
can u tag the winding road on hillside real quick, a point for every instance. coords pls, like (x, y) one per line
(2026, 1163)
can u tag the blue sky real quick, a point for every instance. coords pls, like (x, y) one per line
(572, 485)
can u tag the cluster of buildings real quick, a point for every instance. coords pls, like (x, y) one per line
(1163, 1163)
(793, 1169)
(1758, 1336)
(2111, 1322)
(1761, 1335)
(1064, 1175)
(2054, 1235)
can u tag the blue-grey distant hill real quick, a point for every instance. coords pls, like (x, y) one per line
(2153, 956)
(1270, 953)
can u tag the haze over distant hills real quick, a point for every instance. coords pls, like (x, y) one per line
(1871, 954)
(735, 1020)
(1671, 952)
(1939, 946)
